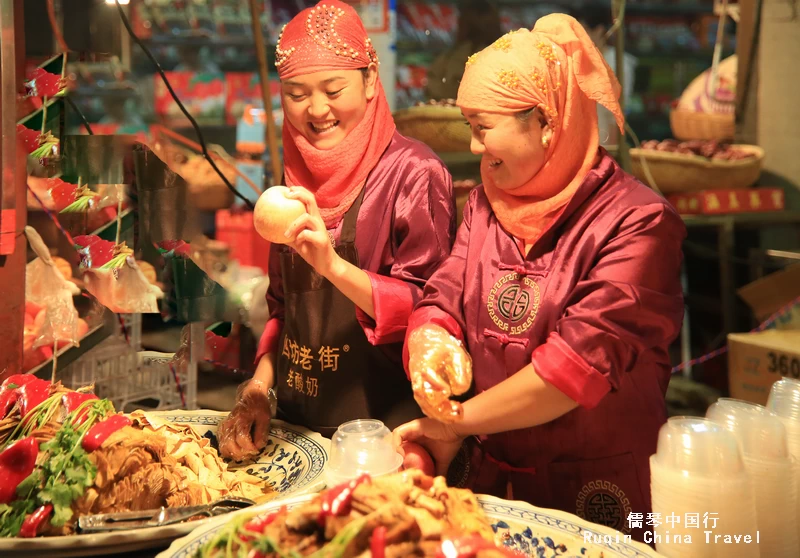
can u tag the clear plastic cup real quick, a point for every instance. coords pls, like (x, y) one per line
(361, 447)
(699, 447)
(784, 399)
(760, 432)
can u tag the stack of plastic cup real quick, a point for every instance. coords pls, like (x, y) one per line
(784, 401)
(762, 442)
(361, 447)
(701, 492)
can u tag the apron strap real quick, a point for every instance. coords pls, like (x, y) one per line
(348, 233)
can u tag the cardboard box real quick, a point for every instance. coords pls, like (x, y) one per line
(716, 202)
(758, 360)
(772, 292)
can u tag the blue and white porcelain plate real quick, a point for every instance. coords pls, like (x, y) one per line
(532, 531)
(293, 463)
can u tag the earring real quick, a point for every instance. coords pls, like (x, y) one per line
(545, 143)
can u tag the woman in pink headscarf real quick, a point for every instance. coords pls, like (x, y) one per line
(562, 293)
(380, 219)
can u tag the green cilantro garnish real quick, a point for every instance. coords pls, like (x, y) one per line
(64, 474)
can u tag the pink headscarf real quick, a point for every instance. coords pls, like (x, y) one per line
(327, 37)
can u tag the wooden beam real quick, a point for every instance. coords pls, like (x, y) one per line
(12, 267)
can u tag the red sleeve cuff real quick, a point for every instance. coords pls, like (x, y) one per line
(269, 339)
(393, 300)
(558, 364)
(430, 315)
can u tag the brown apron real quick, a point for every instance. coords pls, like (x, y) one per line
(328, 373)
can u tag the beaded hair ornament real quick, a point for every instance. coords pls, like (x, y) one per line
(325, 37)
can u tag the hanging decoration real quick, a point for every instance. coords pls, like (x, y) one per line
(40, 144)
(51, 318)
(114, 278)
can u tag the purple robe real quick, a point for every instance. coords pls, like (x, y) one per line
(594, 307)
(405, 229)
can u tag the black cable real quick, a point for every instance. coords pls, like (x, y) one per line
(185, 112)
(80, 114)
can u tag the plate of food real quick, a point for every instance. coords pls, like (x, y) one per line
(404, 514)
(66, 455)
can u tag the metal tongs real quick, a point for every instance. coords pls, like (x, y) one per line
(124, 521)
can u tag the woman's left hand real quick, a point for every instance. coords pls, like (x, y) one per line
(439, 439)
(312, 241)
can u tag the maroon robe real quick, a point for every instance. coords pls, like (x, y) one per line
(405, 229)
(594, 307)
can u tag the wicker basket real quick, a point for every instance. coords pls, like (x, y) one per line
(687, 125)
(674, 172)
(211, 196)
(443, 129)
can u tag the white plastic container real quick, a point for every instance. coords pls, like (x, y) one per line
(361, 447)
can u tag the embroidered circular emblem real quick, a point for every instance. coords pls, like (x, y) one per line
(604, 503)
(513, 303)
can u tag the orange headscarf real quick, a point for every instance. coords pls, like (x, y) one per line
(331, 36)
(556, 68)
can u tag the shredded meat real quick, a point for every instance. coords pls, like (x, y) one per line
(417, 512)
(154, 463)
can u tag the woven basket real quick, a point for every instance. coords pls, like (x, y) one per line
(211, 196)
(443, 129)
(687, 125)
(674, 173)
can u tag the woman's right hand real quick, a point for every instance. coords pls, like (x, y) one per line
(440, 440)
(244, 433)
(439, 368)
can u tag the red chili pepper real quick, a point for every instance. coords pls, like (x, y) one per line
(17, 462)
(377, 544)
(7, 399)
(32, 394)
(34, 522)
(336, 501)
(72, 400)
(100, 432)
(18, 380)
(259, 524)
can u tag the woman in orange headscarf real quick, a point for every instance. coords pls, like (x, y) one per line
(563, 287)
(380, 219)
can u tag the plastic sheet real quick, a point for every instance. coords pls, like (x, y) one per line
(96, 159)
(162, 198)
(114, 278)
(46, 287)
(198, 297)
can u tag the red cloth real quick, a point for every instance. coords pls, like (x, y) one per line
(405, 230)
(598, 300)
(331, 36)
